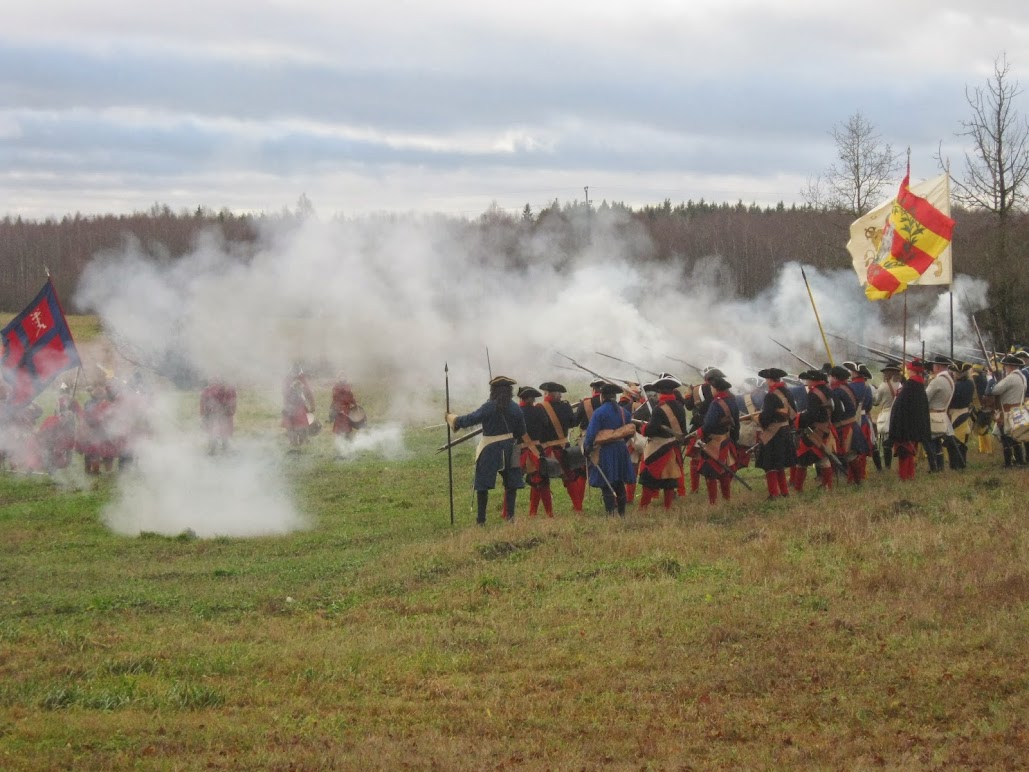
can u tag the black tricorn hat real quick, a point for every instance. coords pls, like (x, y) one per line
(864, 372)
(772, 372)
(939, 359)
(610, 389)
(596, 383)
(813, 375)
(720, 384)
(852, 366)
(667, 382)
(713, 372)
(502, 380)
(892, 365)
(527, 392)
(1011, 359)
(552, 386)
(840, 373)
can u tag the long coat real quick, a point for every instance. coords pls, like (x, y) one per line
(614, 459)
(495, 457)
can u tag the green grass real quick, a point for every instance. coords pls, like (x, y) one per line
(871, 627)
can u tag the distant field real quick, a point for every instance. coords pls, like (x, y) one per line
(884, 626)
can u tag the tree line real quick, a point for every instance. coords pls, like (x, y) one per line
(753, 242)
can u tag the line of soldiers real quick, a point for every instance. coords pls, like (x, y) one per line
(663, 433)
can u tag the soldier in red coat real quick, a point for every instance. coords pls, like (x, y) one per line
(217, 414)
(343, 401)
(56, 434)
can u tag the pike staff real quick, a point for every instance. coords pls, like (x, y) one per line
(450, 453)
(817, 318)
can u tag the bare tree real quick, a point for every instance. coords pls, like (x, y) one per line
(996, 180)
(997, 167)
(865, 165)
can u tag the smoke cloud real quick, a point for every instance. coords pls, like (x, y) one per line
(387, 300)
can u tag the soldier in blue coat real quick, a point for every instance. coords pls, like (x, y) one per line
(612, 468)
(502, 425)
(853, 447)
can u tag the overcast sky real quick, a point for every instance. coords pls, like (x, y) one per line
(447, 106)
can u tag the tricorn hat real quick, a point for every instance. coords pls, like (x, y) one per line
(772, 372)
(552, 386)
(667, 382)
(1011, 359)
(852, 366)
(502, 380)
(892, 365)
(813, 375)
(840, 373)
(720, 384)
(527, 392)
(864, 372)
(596, 383)
(610, 389)
(939, 359)
(713, 372)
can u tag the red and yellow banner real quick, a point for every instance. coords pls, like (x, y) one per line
(915, 234)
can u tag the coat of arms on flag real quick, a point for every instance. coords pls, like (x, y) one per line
(37, 347)
(914, 236)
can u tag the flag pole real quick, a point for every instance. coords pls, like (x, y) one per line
(904, 348)
(450, 452)
(951, 270)
(814, 308)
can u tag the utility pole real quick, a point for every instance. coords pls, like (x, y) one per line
(589, 216)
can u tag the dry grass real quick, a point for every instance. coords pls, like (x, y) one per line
(870, 628)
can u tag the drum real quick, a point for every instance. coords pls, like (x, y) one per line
(574, 458)
(551, 467)
(357, 416)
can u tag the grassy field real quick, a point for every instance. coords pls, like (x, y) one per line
(884, 626)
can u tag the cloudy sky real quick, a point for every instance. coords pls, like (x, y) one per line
(449, 105)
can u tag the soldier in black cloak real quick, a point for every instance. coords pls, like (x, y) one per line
(909, 420)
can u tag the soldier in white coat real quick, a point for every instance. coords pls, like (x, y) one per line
(1010, 392)
(883, 399)
(940, 391)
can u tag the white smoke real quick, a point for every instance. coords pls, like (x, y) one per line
(386, 440)
(173, 487)
(388, 300)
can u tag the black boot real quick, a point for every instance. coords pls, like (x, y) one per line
(1019, 453)
(954, 457)
(877, 458)
(888, 454)
(482, 499)
(510, 496)
(1008, 455)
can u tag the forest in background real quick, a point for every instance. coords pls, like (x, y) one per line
(753, 243)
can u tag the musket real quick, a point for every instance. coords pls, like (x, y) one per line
(877, 351)
(791, 351)
(833, 458)
(684, 362)
(624, 362)
(992, 364)
(463, 438)
(489, 367)
(702, 446)
(594, 373)
(450, 453)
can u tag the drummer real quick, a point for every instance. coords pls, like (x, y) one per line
(345, 414)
